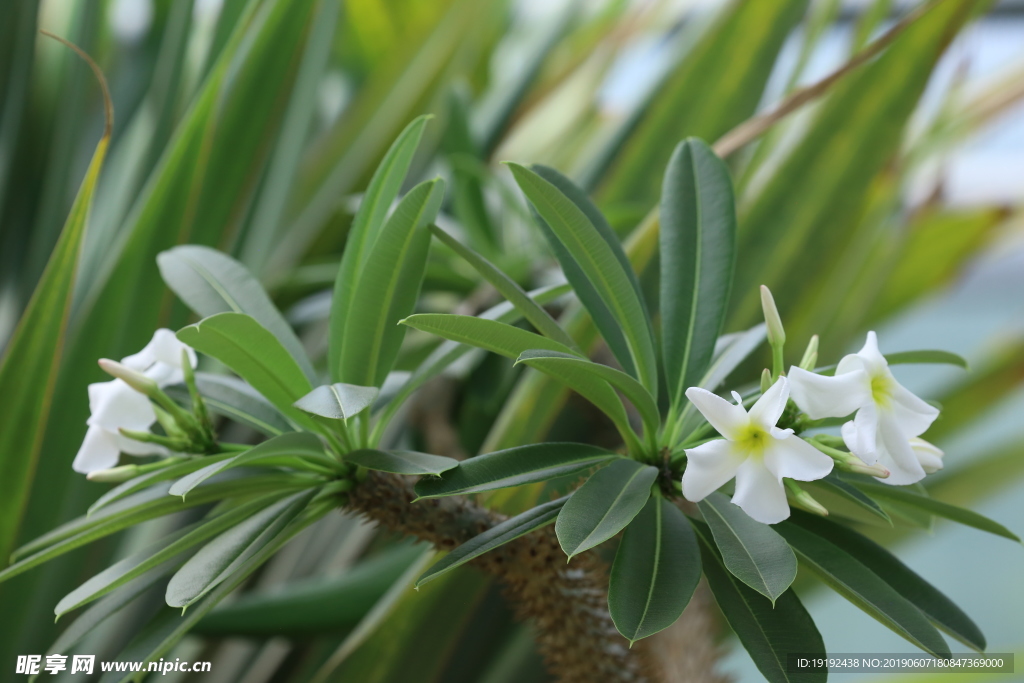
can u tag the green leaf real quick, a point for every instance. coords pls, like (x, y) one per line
(604, 505)
(698, 255)
(313, 605)
(450, 351)
(400, 462)
(236, 400)
(926, 356)
(656, 569)
(245, 346)
(384, 186)
(158, 641)
(210, 282)
(223, 556)
(508, 288)
(491, 335)
(387, 288)
(753, 552)
(937, 607)
(31, 358)
(156, 476)
(156, 554)
(587, 293)
(602, 265)
(142, 506)
(287, 448)
(514, 467)
(562, 365)
(969, 518)
(511, 342)
(849, 577)
(728, 63)
(338, 401)
(769, 633)
(498, 535)
(851, 493)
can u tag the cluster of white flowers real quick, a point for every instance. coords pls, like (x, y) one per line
(884, 431)
(114, 405)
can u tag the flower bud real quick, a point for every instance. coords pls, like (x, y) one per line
(136, 380)
(114, 475)
(766, 380)
(776, 333)
(804, 500)
(855, 464)
(810, 358)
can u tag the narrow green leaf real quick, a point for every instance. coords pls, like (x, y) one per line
(245, 346)
(698, 255)
(224, 555)
(388, 287)
(851, 493)
(450, 351)
(557, 364)
(291, 446)
(602, 316)
(317, 604)
(142, 506)
(338, 401)
(155, 642)
(31, 358)
(769, 633)
(514, 467)
(210, 282)
(603, 266)
(156, 554)
(384, 186)
(656, 569)
(849, 577)
(926, 356)
(508, 288)
(401, 462)
(936, 606)
(156, 476)
(491, 335)
(753, 552)
(604, 505)
(238, 401)
(498, 535)
(907, 496)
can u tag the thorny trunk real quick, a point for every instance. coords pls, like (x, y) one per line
(567, 603)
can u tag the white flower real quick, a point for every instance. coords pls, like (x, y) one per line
(114, 405)
(754, 450)
(888, 415)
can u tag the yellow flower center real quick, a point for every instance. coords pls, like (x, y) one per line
(881, 390)
(753, 440)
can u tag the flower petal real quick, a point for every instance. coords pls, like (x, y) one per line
(163, 348)
(913, 415)
(729, 419)
(794, 458)
(821, 396)
(874, 361)
(98, 451)
(768, 409)
(929, 455)
(861, 434)
(760, 493)
(115, 404)
(896, 454)
(708, 466)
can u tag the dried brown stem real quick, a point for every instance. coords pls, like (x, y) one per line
(753, 127)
